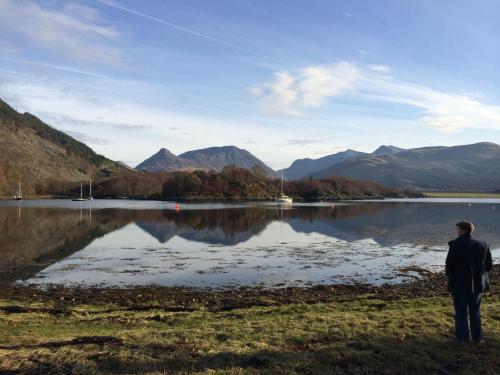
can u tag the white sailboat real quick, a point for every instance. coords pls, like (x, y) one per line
(282, 198)
(81, 194)
(18, 196)
(90, 198)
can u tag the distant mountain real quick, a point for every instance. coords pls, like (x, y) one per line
(166, 161)
(33, 153)
(212, 158)
(474, 167)
(387, 150)
(304, 167)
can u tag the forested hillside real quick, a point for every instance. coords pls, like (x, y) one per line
(35, 154)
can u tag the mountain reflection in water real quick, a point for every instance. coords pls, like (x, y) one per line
(251, 245)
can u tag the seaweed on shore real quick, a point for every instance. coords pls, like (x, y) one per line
(431, 284)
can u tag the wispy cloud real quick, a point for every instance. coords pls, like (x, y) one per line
(136, 128)
(380, 68)
(60, 120)
(292, 93)
(88, 139)
(184, 29)
(75, 31)
(441, 110)
(61, 68)
(302, 142)
(9, 48)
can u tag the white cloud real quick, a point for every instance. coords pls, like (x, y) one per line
(310, 87)
(443, 111)
(88, 139)
(72, 30)
(135, 128)
(58, 120)
(301, 142)
(380, 68)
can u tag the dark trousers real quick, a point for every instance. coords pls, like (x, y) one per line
(462, 303)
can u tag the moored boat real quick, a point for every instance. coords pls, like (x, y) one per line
(81, 199)
(18, 196)
(281, 197)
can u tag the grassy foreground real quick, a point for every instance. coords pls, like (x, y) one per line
(370, 332)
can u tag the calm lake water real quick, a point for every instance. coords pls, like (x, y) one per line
(122, 242)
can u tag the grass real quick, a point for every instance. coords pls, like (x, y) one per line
(458, 194)
(355, 335)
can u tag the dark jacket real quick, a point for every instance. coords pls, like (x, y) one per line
(467, 265)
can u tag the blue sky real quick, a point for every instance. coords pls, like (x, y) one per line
(283, 79)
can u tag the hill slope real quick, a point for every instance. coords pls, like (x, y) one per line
(212, 158)
(33, 153)
(304, 167)
(473, 167)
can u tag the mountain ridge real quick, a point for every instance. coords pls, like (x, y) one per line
(40, 156)
(473, 167)
(166, 161)
(304, 167)
(210, 158)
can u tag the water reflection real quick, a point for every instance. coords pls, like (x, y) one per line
(249, 245)
(32, 238)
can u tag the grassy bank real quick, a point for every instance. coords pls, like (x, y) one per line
(320, 330)
(451, 194)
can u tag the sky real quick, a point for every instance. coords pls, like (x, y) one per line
(284, 79)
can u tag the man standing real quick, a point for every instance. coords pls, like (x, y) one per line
(467, 266)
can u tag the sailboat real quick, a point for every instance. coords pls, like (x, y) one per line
(81, 194)
(282, 198)
(18, 196)
(90, 198)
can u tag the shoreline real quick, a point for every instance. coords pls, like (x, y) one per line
(429, 285)
(416, 197)
(207, 200)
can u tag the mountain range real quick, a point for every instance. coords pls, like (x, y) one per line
(212, 158)
(474, 167)
(304, 167)
(36, 155)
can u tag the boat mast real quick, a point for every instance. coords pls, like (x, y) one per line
(19, 191)
(81, 190)
(90, 188)
(281, 185)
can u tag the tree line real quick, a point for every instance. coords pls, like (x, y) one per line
(232, 183)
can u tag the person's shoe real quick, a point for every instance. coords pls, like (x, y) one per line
(479, 342)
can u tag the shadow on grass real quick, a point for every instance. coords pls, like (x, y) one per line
(318, 355)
